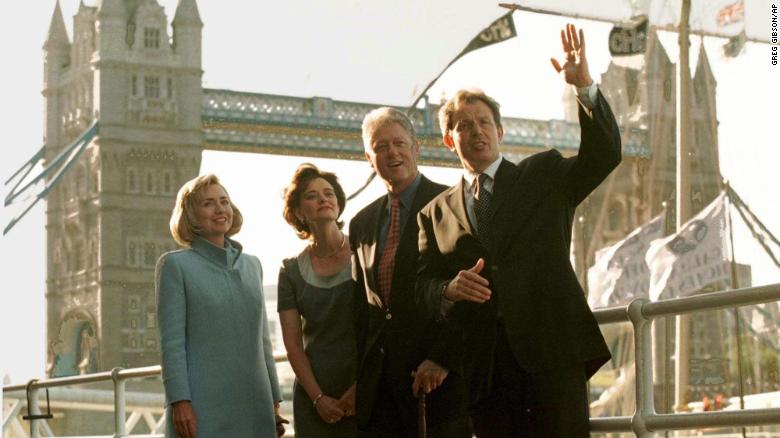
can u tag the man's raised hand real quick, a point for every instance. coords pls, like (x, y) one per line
(575, 69)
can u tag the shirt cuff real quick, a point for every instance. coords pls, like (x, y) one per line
(588, 95)
(445, 304)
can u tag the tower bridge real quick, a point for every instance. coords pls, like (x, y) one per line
(323, 127)
(141, 79)
(107, 215)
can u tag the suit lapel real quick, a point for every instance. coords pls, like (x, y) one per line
(422, 196)
(409, 233)
(506, 173)
(456, 203)
(523, 189)
(370, 255)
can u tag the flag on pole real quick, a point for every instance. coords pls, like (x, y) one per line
(731, 14)
(735, 45)
(620, 272)
(502, 29)
(693, 258)
(629, 38)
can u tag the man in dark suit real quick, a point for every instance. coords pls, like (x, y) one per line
(396, 337)
(495, 250)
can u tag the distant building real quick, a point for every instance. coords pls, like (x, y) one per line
(643, 99)
(107, 220)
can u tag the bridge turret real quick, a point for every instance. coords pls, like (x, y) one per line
(187, 30)
(56, 58)
(187, 33)
(57, 37)
(112, 28)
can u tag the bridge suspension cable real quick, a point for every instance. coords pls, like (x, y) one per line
(54, 171)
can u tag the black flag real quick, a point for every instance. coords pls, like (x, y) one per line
(629, 39)
(502, 29)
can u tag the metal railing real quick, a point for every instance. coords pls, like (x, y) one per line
(640, 313)
(119, 377)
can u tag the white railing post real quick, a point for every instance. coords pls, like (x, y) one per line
(119, 403)
(643, 351)
(33, 409)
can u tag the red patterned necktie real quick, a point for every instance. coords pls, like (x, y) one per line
(387, 261)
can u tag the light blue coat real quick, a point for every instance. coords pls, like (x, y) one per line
(216, 349)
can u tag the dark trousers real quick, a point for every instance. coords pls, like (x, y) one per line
(397, 416)
(551, 404)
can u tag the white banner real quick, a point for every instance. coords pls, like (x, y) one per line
(724, 18)
(620, 272)
(684, 263)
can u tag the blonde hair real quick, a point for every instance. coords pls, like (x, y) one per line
(184, 222)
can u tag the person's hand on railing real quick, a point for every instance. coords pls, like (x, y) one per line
(184, 418)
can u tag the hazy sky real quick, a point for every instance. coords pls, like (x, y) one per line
(363, 51)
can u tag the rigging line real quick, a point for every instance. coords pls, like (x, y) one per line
(758, 238)
(743, 210)
(363, 187)
(754, 217)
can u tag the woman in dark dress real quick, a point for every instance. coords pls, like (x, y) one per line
(315, 308)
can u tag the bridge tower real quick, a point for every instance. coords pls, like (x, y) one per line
(107, 219)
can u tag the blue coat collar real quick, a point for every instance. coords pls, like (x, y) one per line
(225, 257)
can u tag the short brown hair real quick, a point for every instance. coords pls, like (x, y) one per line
(462, 97)
(304, 174)
(184, 222)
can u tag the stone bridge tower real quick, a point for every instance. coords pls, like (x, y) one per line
(107, 220)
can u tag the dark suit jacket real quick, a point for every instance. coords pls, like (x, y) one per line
(546, 317)
(398, 339)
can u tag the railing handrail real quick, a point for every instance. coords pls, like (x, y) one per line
(104, 376)
(639, 313)
(709, 301)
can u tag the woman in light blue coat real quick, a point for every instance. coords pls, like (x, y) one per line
(217, 361)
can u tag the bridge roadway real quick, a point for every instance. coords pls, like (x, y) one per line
(317, 126)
